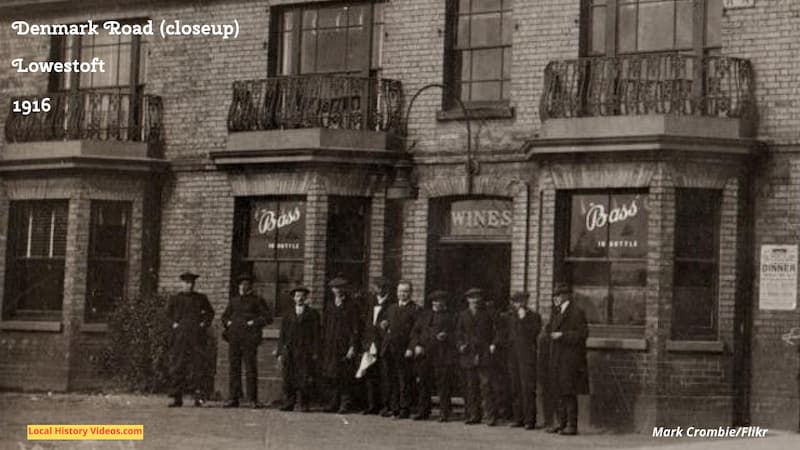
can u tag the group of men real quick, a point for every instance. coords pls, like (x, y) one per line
(404, 353)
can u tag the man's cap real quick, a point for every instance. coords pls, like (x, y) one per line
(438, 296)
(520, 297)
(244, 276)
(474, 293)
(299, 288)
(188, 276)
(338, 282)
(562, 288)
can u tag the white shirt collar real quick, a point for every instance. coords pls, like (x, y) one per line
(381, 300)
(564, 306)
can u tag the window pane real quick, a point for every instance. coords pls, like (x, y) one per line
(464, 91)
(485, 91)
(124, 58)
(110, 229)
(507, 63)
(588, 232)
(347, 229)
(263, 229)
(627, 218)
(105, 289)
(485, 30)
(265, 282)
(684, 26)
(288, 21)
(626, 28)
(466, 65)
(486, 5)
(308, 52)
(597, 33)
(628, 293)
(508, 28)
(487, 64)
(656, 27)
(713, 23)
(356, 15)
(287, 54)
(358, 48)
(463, 32)
(332, 44)
(39, 285)
(309, 19)
(590, 285)
(291, 226)
(332, 17)
(696, 212)
(693, 298)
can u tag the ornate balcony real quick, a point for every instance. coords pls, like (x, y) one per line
(668, 95)
(108, 124)
(291, 118)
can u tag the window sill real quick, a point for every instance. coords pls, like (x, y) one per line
(30, 325)
(97, 328)
(498, 111)
(696, 346)
(596, 343)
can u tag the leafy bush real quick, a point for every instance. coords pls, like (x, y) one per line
(137, 356)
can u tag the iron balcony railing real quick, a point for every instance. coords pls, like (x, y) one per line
(670, 83)
(317, 101)
(103, 115)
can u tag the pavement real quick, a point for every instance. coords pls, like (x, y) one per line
(212, 427)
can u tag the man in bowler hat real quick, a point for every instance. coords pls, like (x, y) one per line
(189, 314)
(476, 343)
(243, 319)
(297, 350)
(433, 344)
(568, 368)
(340, 343)
(522, 331)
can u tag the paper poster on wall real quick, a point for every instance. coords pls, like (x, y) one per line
(778, 277)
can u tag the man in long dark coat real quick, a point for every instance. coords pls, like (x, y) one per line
(476, 342)
(433, 344)
(395, 352)
(298, 343)
(243, 319)
(549, 394)
(522, 331)
(374, 329)
(568, 368)
(190, 314)
(340, 341)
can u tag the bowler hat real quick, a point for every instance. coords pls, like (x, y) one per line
(562, 288)
(474, 293)
(520, 297)
(244, 276)
(300, 288)
(188, 276)
(438, 296)
(337, 282)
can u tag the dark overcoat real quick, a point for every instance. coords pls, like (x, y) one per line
(427, 326)
(476, 332)
(242, 309)
(339, 333)
(568, 368)
(188, 341)
(521, 337)
(298, 343)
(401, 322)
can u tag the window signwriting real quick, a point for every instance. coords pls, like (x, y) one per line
(485, 217)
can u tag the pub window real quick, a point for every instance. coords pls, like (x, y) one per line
(478, 51)
(335, 39)
(348, 228)
(602, 246)
(108, 258)
(696, 265)
(269, 242)
(641, 26)
(36, 251)
(117, 51)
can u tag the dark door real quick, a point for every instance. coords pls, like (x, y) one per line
(457, 267)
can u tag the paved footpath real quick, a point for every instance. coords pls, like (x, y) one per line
(212, 427)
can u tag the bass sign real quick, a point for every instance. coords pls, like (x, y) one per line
(597, 217)
(269, 220)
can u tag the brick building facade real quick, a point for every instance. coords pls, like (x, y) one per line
(647, 167)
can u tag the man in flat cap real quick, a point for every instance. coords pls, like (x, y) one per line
(340, 344)
(395, 352)
(297, 350)
(568, 368)
(243, 319)
(189, 314)
(522, 331)
(375, 324)
(433, 344)
(476, 343)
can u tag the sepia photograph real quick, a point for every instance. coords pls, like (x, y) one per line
(399, 224)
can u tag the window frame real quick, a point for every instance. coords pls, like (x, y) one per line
(564, 262)
(711, 333)
(243, 263)
(332, 262)
(17, 209)
(453, 69)
(93, 259)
